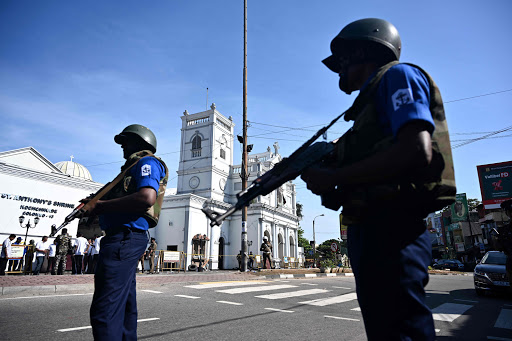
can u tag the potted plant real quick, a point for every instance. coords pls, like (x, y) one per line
(326, 265)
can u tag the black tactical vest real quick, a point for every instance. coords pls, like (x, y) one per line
(418, 194)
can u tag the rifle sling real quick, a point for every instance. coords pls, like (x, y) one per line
(105, 189)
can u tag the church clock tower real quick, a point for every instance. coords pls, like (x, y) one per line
(206, 153)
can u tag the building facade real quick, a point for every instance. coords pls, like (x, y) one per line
(31, 186)
(206, 177)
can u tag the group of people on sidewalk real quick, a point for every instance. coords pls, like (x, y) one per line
(47, 257)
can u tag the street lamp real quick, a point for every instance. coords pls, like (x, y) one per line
(27, 225)
(314, 239)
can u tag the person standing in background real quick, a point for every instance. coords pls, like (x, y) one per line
(63, 242)
(6, 253)
(80, 248)
(42, 247)
(52, 250)
(151, 253)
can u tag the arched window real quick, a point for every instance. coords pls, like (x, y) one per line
(196, 146)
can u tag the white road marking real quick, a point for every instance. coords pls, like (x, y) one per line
(153, 291)
(449, 311)
(89, 327)
(223, 284)
(228, 302)
(504, 319)
(280, 310)
(498, 338)
(285, 276)
(186, 296)
(309, 275)
(309, 284)
(330, 275)
(67, 295)
(356, 309)
(437, 292)
(341, 318)
(253, 289)
(72, 329)
(293, 294)
(342, 288)
(468, 301)
(322, 302)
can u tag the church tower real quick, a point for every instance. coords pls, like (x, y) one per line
(206, 154)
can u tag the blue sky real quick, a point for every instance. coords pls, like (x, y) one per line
(73, 74)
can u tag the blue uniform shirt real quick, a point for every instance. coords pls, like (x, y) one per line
(146, 173)
(403, 96)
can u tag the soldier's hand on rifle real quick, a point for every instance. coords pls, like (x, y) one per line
(319, 180)
(93, 207)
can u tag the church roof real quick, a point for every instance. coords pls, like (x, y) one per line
(74, 169)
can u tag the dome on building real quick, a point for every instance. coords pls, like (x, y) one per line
(74, 169)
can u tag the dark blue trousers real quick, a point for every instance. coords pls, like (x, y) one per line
(114, 304)
(390, 262)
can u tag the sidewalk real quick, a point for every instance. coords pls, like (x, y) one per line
(43, 284)
(20, 285)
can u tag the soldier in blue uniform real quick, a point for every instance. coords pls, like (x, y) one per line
(126, 213)
(392, 168)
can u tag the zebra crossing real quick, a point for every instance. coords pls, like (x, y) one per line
(447, 312)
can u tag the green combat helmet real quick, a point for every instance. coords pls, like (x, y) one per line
(136, 129)
(371, 31)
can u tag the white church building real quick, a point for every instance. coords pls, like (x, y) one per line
(208, 178)
(32, 186)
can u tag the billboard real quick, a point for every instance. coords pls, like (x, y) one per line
(460, 208)
(495, 183)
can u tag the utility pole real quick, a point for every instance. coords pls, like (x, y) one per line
(244, 152)
(314, 238)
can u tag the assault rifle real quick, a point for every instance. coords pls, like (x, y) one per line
(287, 169)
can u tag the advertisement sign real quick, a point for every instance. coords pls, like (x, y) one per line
(17, 251)
(460, 208)
(459, 247)
(495, 183)
(343, 228)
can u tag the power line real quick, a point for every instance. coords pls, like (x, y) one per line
(489, 94)
(492, 137)
(482, 137)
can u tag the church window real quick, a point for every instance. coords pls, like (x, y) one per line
(196, 146)
(223, 153)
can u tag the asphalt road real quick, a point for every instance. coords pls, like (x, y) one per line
(295, 309)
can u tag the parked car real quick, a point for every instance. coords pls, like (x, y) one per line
(490, 274)
(452, 264)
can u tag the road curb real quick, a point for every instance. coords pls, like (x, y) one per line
(29, 290)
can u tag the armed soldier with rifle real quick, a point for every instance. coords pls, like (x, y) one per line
(392, 168)
(127, 207)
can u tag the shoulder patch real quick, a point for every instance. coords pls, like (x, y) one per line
(146, 170)
(401, 97)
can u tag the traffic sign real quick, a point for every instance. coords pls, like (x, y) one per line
(334, 247)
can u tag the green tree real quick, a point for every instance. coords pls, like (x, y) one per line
(325, 249)
(472, 204)
(303, 242)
